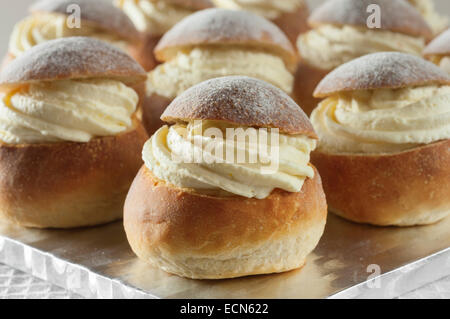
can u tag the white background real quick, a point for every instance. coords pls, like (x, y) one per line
(13, 11)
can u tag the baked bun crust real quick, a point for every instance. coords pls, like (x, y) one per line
(99, 12)
(397, 16)
(143, 52)
(209, 237)
(226, 27)
(403, 189)
(72, 58)
(294, 23)
(152, 106)
(65, 185)
(439, 46)
(240, 100)
(384, 70)
(306, 79)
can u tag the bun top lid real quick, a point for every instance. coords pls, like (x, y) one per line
(240, 100)
(396, 16)
(226, 27)
(384, 70)
(100, 13)
(439, 46)
(71, 58)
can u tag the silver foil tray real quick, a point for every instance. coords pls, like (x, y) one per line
(351, 261)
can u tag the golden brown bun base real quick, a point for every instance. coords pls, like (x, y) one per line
(207, 237)
(153, 107)
(65, 185)
(403, 189)
(293, 24)
(306, 80)
(143, 52)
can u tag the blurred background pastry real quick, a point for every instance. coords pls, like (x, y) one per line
(214, 43)
(437, 22)
(384, 131)
(340, 34)
(438, 51)
(49, 20)
(213, 219)
(153, 18)
(69, 140)
(290, 15)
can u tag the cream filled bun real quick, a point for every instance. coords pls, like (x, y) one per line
(340, 33)
(55, 19)
(153, 18)
(70, 142)
(214, 43)
(438, 51)
(290, 15)
(384, 131)
(198, 210)
(436, 21)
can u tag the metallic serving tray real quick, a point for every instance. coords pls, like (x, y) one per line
(98, 263)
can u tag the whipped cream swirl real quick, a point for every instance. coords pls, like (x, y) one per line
(68, 110)
(154, 17)
(328, 46)
(383, 121)
(40, 28)
(200, 64)
(162, 155)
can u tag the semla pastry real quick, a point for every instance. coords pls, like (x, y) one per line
(438, 51)
(340, 34)
(153, 18)
(214, 43)
(437, 22)
(54, 19)
(384, 150)
(69, 141)
(290, 15)
(223, 219)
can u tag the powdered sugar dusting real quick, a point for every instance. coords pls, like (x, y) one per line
(240, 100)
(396, 15)
(71, 58)
(224, 26)
(381, 70)
(101, 12)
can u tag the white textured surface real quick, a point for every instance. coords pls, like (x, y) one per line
(436, 290)
(15, 284)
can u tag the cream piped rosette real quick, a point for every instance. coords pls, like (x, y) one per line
(155, 17)
(329, 46)
(40, 28)
(343, 30)
(169, 154)
(66, 110)
(384, 136)
(194, 66)
(222, 52)
(266, 8)
(70, 141)
(384, 120)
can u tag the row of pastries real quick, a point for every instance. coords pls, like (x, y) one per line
(95, 119)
